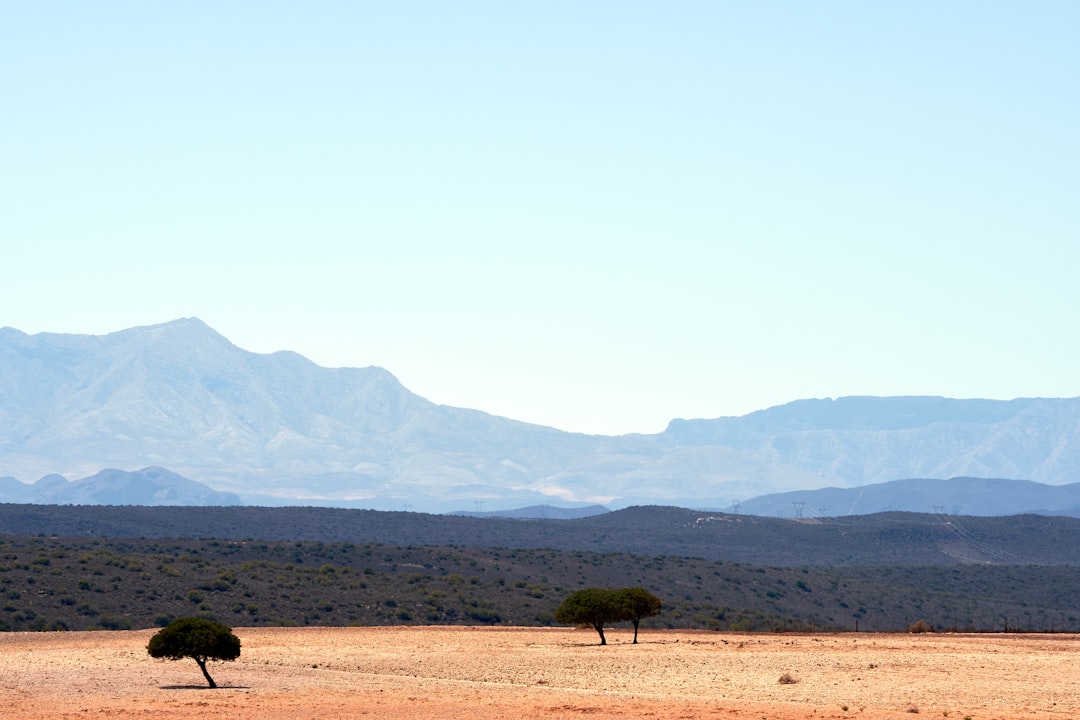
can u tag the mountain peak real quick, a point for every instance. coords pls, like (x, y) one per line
(181, 329)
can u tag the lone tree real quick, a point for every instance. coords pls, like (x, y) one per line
(592, 606)
(197, 638)
(638, 603)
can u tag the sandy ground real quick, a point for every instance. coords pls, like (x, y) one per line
(484, 673)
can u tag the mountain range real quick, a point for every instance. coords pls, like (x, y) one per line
(276, 429)
(148, 486)
(954, 496)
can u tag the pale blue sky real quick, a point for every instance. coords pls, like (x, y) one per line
(596, 216)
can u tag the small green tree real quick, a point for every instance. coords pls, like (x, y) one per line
(638, 603)
(594, 607)
(197, 638)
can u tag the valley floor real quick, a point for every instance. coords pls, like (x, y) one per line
(465, 673)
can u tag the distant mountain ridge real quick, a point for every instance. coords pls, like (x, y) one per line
(148, 486)
(955, 496)
(278, 429)
(538, 512)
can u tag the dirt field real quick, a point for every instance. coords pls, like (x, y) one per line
(485, 673)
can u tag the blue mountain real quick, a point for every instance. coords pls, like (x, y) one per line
(279, 429)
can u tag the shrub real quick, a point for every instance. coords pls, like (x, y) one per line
(920, 626)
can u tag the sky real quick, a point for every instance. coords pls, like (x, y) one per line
(597, 216)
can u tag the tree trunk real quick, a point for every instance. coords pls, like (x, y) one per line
(636, 623)
(202, 666)
(600, 629)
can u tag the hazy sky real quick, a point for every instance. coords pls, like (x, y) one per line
(592, 215)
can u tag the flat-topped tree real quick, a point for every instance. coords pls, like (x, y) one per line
(598, 606)
(593, 606)
(197, 638)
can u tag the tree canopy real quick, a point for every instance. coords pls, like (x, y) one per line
(197, 638)
(597, 606)
(639, 603)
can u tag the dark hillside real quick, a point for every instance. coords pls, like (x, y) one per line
(882, 539)
(72, 583)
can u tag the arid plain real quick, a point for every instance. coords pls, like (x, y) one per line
(458, 673)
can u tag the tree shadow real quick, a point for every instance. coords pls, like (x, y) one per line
(617, 643)
(204, 687)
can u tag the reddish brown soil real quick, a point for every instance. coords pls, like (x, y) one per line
(484, 673)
